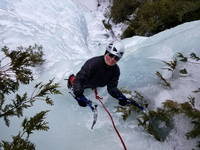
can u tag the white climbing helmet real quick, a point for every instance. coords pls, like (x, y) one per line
(116, 48)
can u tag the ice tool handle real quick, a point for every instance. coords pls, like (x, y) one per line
(89, 103)
(95, 113)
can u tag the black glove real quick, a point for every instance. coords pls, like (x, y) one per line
(122, 100)
(83, 101)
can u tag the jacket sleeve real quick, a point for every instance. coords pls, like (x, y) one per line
(112, 86)
(82, 76)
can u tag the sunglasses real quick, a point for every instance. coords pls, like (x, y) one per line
(114, 56)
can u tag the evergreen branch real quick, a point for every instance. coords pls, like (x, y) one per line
(8, 85)
(17, 69)
(49, 88)
(126, 111)
(7, 121)
(191, 100)
(18, 143)
(16, 108)
(194, 56)
(181, 57)
(35, 123)
(22, 102)
(195, 131)
(163, 79)
(2, 100)
(171, 65)
(11, 74)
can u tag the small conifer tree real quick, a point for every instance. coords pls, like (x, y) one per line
(15, 69)
(160, 122)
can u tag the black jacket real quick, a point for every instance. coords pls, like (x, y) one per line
(96, 73)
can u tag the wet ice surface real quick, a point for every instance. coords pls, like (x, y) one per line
(70, 34)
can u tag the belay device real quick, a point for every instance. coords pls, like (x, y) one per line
(70, 83)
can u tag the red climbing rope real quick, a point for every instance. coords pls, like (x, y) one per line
(113, 123)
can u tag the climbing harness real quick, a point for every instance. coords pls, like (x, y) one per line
(111, 118)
